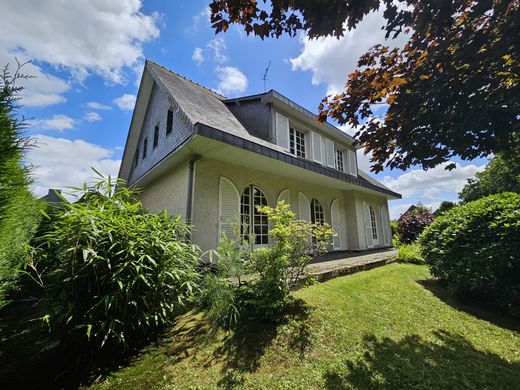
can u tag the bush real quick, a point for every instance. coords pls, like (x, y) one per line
(410, 253)
(411, 224)
(109, 272)
(256, 283)
(474, 249)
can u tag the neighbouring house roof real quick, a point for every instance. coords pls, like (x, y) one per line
(52, 196)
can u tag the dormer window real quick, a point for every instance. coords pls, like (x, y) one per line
(296, 143)
(339, 160)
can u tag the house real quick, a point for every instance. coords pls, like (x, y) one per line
(212, 160)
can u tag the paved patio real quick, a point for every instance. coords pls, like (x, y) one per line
(337, 264)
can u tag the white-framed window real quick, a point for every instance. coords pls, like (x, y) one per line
(317, 214)
(296, 142)
(373, 223)
(253, 222)
(339, 160)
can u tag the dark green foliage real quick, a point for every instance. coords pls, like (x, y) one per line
(475, 249)
(109, 272)
(410, 253)
(502, 174)
(444, 206)
(411, 224)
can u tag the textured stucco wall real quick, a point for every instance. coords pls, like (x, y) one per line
(168, 192)
(206, 193)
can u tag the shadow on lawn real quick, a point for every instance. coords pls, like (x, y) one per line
(448, 361)
(483, 311)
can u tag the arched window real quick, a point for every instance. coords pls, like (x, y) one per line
(254, 222)
(317, 215)
(373, 222)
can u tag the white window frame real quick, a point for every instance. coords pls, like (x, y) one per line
(337, 153)
(253, 212)
(297, 135)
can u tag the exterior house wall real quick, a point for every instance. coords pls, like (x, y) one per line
(254, 116)
(156, 114)
(169, 192)
(206, 200)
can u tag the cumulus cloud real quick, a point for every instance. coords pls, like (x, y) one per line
(92, 117)
(218, 48)
(125, 102)
(58, 163)
(197, 56)
(57, 122)
(330, 59)
(97, 106)
(231, 80)
(108, 39)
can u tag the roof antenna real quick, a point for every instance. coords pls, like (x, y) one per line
(265, 76)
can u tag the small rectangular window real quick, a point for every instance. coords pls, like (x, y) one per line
(169, 122)
(296, 142)
(145, 147)
(339, 160)
(156, 136)
(136, 158)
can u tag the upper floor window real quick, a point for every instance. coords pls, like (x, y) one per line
(156, 136)
(253, 222)
(339, 160)
(145, 147)
(373, 223)
(296, 142)
(169, 122)
(317, 214)
(136, 158)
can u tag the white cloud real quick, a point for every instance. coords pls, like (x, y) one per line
(59, 162)
(231, 80)
(57, 122)
(92, 117)
(82, 37)
(330, 59)
(197, 56)
(97, 106)
(125, 102)
(218, 47)
(204, 16)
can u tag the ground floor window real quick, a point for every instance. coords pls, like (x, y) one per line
(252, 221)
(373, 222)
(317, 214)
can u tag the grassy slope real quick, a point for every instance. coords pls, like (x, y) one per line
(385, 328)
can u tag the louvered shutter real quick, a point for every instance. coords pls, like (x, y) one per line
(284, 196)
(368, 226)
(335, 221)
(316, 147)
(385, 226)
(282, 131)
(329, 151)
(304, 208)
(351, 155)
(229, 207)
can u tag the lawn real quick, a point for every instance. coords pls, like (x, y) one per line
(391, 327)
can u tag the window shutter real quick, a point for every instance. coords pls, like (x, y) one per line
(284, 196)
(351, 155)
(368, 226)
(229, 207)
(316, 147)
(385, 226)
(304, 208)
(282, 131)
(335, 221)
(329, 151)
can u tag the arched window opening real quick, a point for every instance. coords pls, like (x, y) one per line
(317, 215)
(373, 222)
(253, 222)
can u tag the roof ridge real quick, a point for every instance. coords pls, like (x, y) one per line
(222, 97)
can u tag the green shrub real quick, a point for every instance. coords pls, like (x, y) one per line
(410, 253)
(475, 249)
(110, 272)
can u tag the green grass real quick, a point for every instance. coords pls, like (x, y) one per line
(391, 327)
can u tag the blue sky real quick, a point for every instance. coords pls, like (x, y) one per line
(87, 57)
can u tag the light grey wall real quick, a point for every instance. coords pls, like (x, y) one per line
(156, 113)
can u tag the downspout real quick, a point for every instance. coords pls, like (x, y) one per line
(189, 197)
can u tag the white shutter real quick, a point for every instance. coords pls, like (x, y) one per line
(329, 151)
(282, 131)
(304, 208)
(351, 155)
(284, 196)
(316, 147)
(385, 226)
(228, 208)
(368, 226)
(335, 221)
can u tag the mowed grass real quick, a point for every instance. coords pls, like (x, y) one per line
(391, 327)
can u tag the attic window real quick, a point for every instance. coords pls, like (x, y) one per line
(136, 158)
(296, 143)
(156, 136)
(145, 147)
(169, 122)
(339, 160)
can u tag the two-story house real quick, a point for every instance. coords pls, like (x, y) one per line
(213, 160)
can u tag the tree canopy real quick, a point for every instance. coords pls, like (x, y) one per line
(453, 89)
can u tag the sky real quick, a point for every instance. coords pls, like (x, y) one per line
(87, 58)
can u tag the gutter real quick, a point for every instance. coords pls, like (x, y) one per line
(189, 197)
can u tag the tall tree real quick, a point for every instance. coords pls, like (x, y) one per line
(452, 90)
